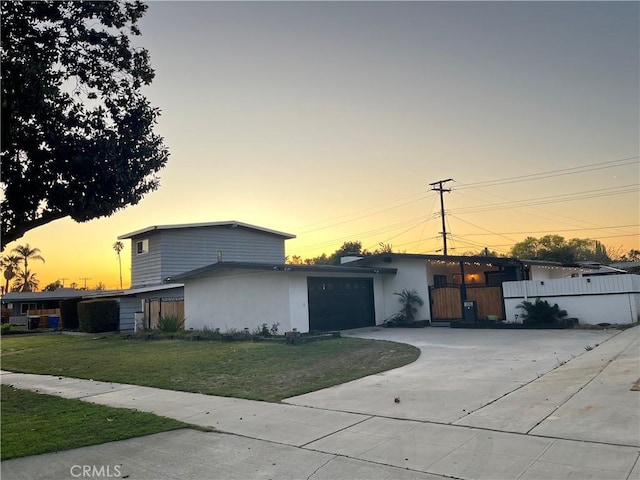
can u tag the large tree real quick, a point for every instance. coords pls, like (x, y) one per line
(556, 249)
(77, 133)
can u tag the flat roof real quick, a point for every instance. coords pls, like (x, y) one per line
(58, 294)
(388, 257)
(228, 224)
(277, 267)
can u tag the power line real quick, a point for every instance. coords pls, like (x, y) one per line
(553, 173)
(565, 197)
(546, 231)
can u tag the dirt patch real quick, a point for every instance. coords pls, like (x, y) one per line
(636, 386)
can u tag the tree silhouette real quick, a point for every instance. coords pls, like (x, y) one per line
(118, 247)
(76, 133)
(26, 281)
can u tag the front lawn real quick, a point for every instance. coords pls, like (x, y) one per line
(252, 370)
(33, 423)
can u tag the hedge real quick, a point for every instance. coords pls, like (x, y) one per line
(69, 313)
(99, 316)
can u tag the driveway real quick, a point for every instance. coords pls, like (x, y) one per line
(459, 371)
(477, 405)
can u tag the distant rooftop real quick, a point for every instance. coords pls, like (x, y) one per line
(228, 224)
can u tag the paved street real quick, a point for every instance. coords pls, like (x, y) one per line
(478, 404)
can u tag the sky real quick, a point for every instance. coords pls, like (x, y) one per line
(329, 120)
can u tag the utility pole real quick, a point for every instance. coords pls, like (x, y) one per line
(85, 281)
(437, 187)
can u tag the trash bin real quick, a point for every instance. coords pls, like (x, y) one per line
(33, 321)
(54, 321)
(44, 321)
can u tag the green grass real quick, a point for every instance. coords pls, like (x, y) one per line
(253, 370)
(33, 423)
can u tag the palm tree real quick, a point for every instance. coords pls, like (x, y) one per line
(10, 265)
(409, 300)
(25, 252)
(25, 282)
(118, 247)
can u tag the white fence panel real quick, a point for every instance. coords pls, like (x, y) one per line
(611, 299)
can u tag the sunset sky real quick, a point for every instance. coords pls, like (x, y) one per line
(329, 120)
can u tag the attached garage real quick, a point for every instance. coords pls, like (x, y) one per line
(239, 295)
(340, 303)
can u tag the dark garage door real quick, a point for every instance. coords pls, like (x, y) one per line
(340, 303)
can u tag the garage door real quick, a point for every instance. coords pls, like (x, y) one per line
(340, 303)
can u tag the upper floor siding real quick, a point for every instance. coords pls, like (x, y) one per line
(169, 252)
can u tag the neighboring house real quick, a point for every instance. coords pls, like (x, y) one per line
(20, 303)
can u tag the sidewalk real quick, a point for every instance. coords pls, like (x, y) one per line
(578, 421)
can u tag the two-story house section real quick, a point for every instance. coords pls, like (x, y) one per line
(161, 251)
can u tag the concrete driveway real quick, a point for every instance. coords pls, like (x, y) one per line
(494, 405)
(459, 371)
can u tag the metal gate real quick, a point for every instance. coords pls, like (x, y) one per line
(340, 303)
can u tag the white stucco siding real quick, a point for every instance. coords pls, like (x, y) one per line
(412, 275)
(238, 300)
(298, 303)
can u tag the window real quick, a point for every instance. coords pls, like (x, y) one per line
(142, 246)
(25, 307)
(440, 280)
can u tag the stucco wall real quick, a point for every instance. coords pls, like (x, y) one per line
(412, 275)
(249, 298)
(238, 300)
(592, 300)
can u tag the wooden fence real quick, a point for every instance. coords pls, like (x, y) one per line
(156, 308)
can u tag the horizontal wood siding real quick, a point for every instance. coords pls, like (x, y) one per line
(191, 248)
(146, 267)
(128, 307)
(175, 251)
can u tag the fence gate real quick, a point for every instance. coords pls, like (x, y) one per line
(156, 308)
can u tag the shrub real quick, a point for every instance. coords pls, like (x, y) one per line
(170, 324)
(541, 312)
(99, 316)
(69, 313)
(408, 310)
(6, 328)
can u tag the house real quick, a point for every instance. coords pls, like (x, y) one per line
(459, 287)
(20, 304)
(233, 276)
(162, 251)
(360, 292)
(239, 295)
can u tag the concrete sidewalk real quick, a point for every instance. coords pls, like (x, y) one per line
(576, 421)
